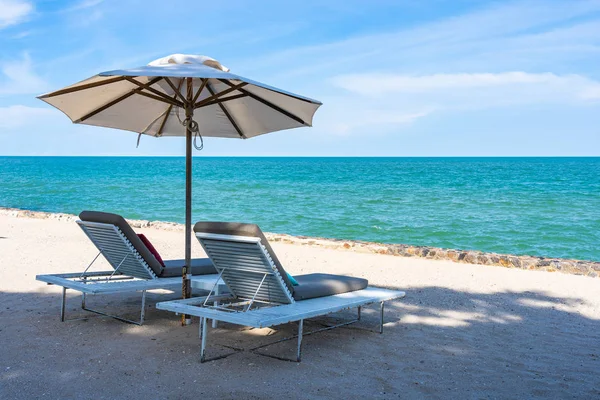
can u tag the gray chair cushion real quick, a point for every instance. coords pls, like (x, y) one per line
(200, 266)
(319, 285)
(242, 229)
(119, 222)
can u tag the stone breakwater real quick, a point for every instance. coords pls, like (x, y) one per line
(576, 267)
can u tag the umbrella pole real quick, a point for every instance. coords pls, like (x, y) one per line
(186, 287)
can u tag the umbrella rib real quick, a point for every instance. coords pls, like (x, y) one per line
(223, 100)
(147, 87)
(164, 121)
(226, 112)
(204, 82)
(82, 87)
(177, 92)
(113, 102)
(159, 98)
(143, 131)
(268, 103)
(220, 94)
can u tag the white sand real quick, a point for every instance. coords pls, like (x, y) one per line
(463, 331)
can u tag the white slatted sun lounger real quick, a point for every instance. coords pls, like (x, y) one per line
(135, 268)
(261, 293)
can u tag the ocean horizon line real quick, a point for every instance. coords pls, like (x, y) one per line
(295, 156)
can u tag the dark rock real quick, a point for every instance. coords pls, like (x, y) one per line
(516, 262)
(483, 259)
(471, 257)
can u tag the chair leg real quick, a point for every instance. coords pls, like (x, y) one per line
(359, 310)
(216, 303)
(381, 318)
(143, 313)
(300, 331)
(84, 279)
(203, 341)
(62, 304)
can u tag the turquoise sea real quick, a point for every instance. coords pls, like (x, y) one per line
(539, 206)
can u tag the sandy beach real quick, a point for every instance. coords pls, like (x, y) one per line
(463, 331)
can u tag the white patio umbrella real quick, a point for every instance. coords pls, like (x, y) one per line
(183, 95)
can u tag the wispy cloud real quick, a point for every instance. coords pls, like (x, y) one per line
(89, 18)
(83, 13)
(82, 5)
(17, 116)
(13, 12)
(23, 34)
(492, 57)
(507, 36)
(578, 87)
(18, 77)
(347, 118)
(387, 99)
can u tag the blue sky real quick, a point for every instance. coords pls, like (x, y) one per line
(397, 78)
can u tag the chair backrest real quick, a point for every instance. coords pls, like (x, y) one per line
(128, 233)
(117, 249)
(246, 264)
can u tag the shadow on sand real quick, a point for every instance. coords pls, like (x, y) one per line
(437, 343)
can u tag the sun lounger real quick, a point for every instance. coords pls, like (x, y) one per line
(136, 267)
(261, 294)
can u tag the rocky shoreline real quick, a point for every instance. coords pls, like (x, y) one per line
(568, 266)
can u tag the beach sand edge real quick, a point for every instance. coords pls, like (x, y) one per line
(548, 264)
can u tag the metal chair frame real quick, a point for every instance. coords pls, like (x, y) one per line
(245, 265)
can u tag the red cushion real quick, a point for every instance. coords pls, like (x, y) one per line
(154, 252)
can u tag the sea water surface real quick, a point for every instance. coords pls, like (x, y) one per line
(538, 206)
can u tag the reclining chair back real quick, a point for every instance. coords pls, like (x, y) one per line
(117, 249)
(246, 266)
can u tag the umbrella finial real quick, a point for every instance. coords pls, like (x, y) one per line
(188, 59)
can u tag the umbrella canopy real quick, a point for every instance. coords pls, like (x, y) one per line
(152, 99)
(183, 95)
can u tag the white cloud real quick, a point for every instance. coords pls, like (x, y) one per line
(82, 5)
(352, 118)
(17, 116)
(391, 102)
(508, 36)
(88, 19)
(575, 86)
(13, 12)
(84, 13)
(487, 58)
(593, 93)
(23, 34)
(18, 77)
